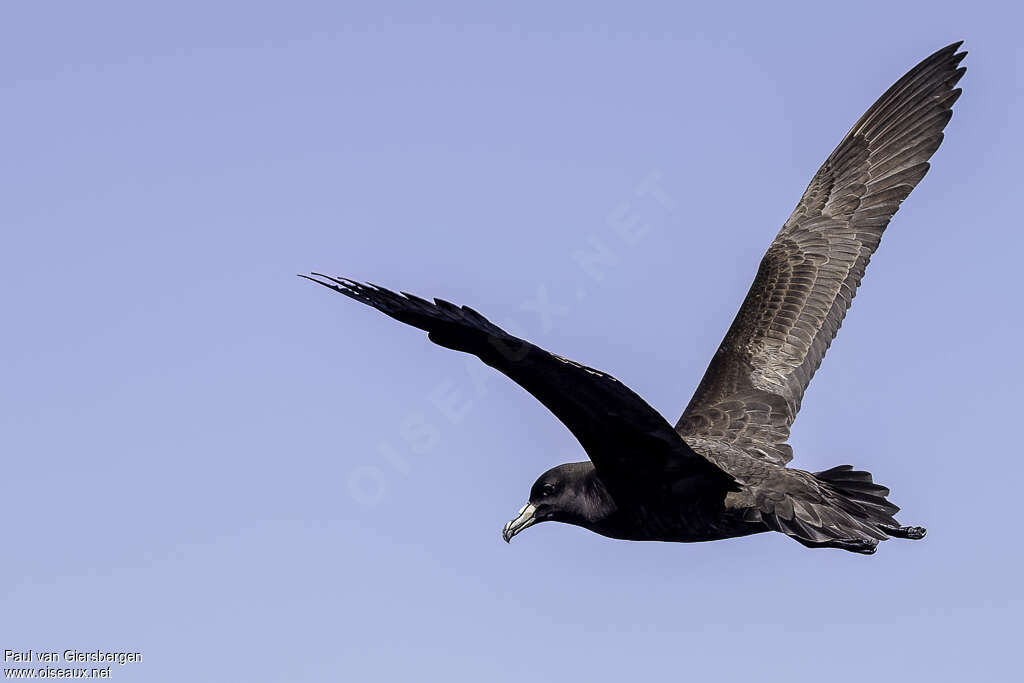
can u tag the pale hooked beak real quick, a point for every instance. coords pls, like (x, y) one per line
(526, 518)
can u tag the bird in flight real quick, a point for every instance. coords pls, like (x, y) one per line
(721, 471)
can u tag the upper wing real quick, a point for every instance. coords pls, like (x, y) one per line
(752, 390)
(627, 440)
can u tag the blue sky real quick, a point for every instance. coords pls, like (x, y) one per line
(245, 477)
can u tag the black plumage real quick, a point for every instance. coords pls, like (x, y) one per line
(721, 471)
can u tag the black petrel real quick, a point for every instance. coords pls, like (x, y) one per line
(722, 472)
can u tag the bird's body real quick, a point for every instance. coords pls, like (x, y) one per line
(722, 471)
(695, 513)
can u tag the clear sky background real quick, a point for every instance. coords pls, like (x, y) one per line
(246, 477)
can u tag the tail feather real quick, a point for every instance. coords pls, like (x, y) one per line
(865, 500)
(838, 508)
(858, 490)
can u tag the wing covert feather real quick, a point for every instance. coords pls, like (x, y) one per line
(753, 388)
(626, 439)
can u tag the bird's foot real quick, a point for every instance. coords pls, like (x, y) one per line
(862, 547)
(914, 533)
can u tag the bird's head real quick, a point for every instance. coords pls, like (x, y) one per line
(569, 493)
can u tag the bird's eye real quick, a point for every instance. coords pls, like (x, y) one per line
(547, 489)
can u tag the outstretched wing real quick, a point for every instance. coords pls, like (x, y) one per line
(752, 390)
(627, 440)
